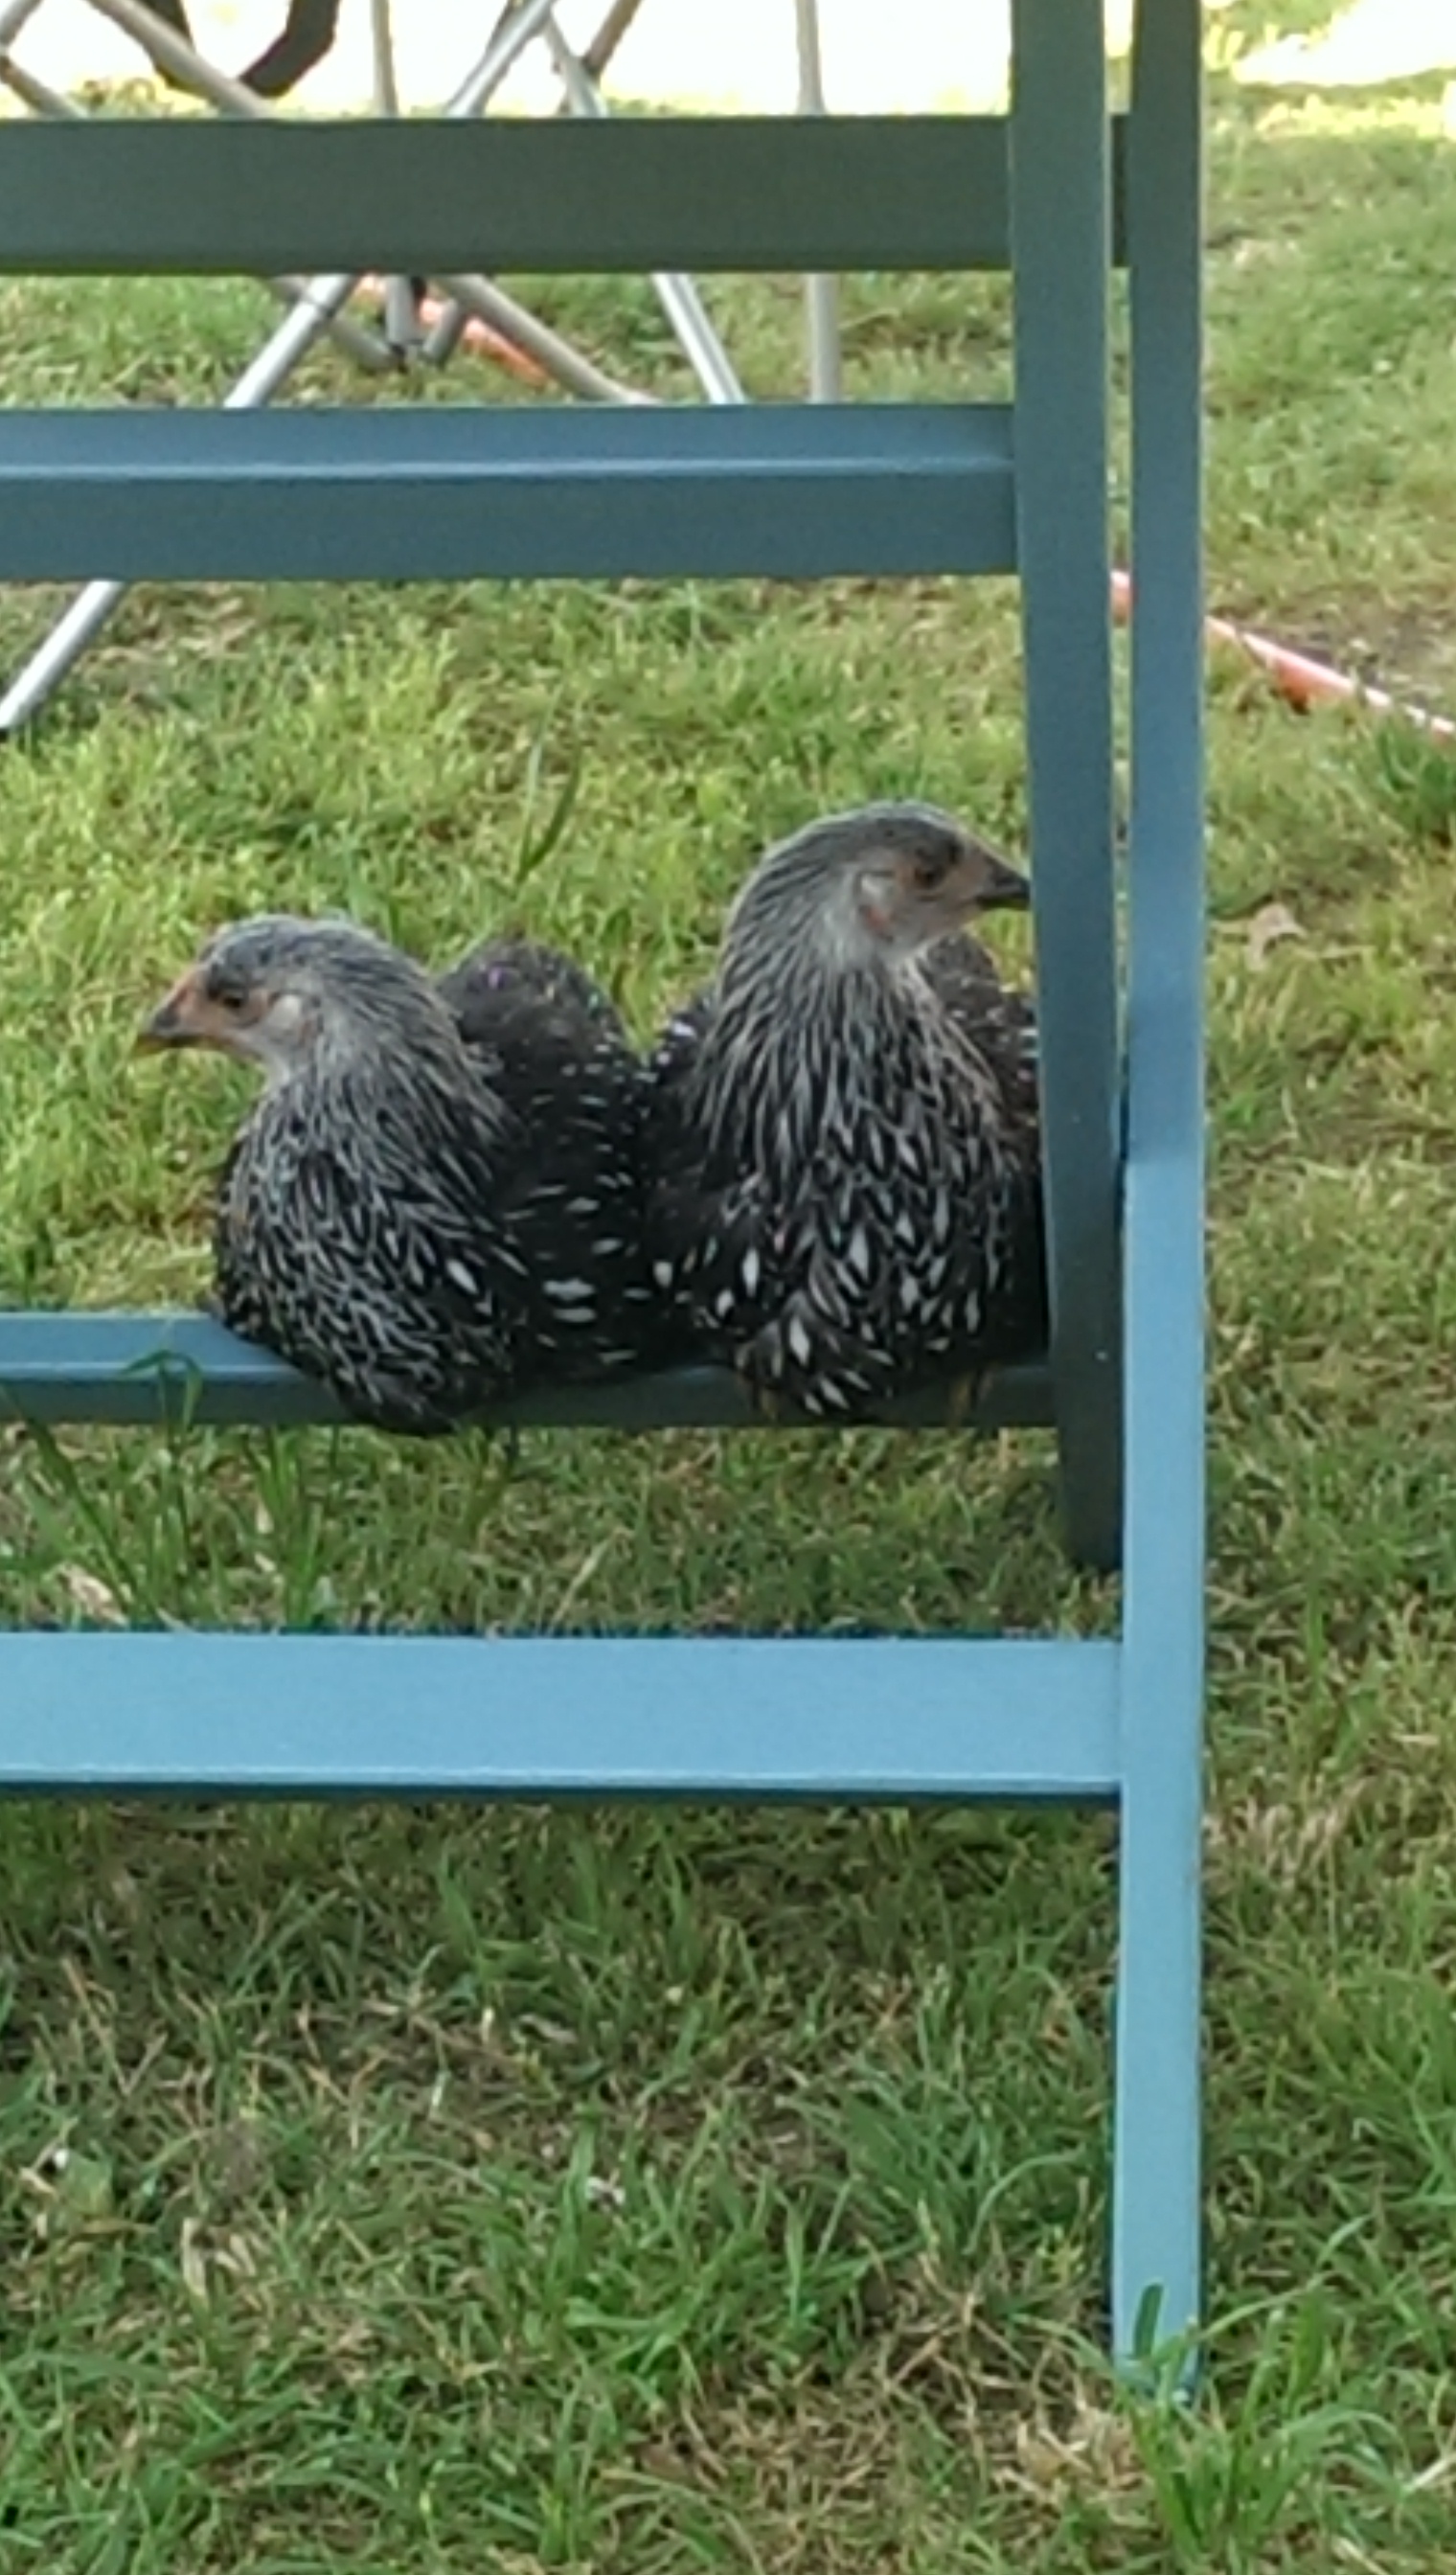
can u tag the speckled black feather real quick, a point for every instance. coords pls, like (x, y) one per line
(551, 1044)
(843, 1166)
(516, 976)
(447, 1206)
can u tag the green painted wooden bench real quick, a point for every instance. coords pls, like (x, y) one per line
(1062, 193)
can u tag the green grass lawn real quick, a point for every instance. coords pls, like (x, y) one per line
(633, 2191)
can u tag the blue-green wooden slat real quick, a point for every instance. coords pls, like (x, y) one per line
(1059, 201)
(891, 1719)
(183, 1368)
(589, 492)
(425, 196)
(1156, 2184)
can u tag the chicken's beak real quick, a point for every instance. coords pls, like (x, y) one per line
(1004, 889)
(180, 1020)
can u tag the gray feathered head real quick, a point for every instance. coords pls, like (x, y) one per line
(285, 994)
(873, 885)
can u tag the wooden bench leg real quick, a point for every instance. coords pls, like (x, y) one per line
(1156, 2187)
(1061, 228)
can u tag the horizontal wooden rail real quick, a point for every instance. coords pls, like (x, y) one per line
(427, 195)
(443, 493)
(852, 1719)
(141, 1367)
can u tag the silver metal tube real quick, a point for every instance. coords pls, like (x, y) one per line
(400, 316)
(445, 333)
(400, 305)
(820, 294)
(365, 347)
(481, 295)
(700, 342)
(36, 93)
(509, 41)
(73, 630)
(444, 336)
(14, 18)
(386, 87)
(309, 317)
(676, 294)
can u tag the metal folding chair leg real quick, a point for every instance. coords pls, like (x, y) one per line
(820, 294)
